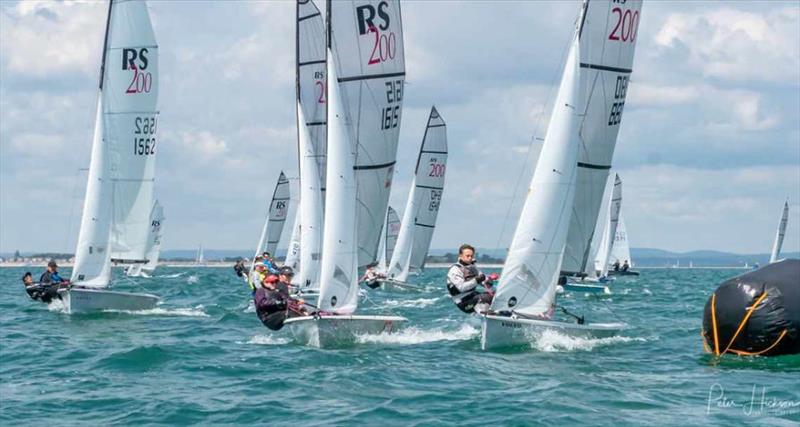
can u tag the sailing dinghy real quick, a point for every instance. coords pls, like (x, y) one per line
(119, 192)
(422, 207)
(590, 284)
(621, 251)
(352, 75)
(153, 245)
(779, 233)
(524, 303)
(276, 218)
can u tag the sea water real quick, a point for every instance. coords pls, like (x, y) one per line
(202, 356)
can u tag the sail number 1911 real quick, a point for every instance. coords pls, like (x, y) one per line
(144, 136)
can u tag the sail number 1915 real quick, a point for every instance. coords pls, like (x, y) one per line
(390, 115)
(144, 136)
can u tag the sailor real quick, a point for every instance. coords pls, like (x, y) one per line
(625, 265)
(269, 263)
(463, 279)
(240, 268)
(257, 275)
(33, 289)
(372, 277)
(272, 301)
(50, 276)
(616, 265)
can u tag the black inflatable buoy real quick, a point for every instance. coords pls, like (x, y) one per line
(757, 313)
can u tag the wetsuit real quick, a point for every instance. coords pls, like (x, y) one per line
(371, 279)
(270, 307)
(462, 281)
(47, 288)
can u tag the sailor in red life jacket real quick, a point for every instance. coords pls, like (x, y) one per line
(463, 280)
(272, 300)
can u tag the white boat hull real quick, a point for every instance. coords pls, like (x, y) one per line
(84, 300)
(504, 331)
(332, 330)
(393, 285)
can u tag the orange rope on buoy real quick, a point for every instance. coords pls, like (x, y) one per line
(750, 311)
(714, 322)
(706, 348)
(757, 353)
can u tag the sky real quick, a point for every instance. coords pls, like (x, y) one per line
(708, 150)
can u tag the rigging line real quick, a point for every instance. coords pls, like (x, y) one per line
(537, 127)
(70, 223)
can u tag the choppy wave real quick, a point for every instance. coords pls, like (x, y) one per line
(410, 303)
(552, 341)
(57, 306)
(419, 336)
(171, 276)
(268, 340)
(192, 279)
(197, 311)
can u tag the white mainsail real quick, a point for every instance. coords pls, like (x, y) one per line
(153, 244)
(620, 251)
(608, 34)
(601, 241)
(338, 291)
(391, 231)
(529, 278)
(276, 217)
(131, 121)
(779, 233)
(613, 222)
(422, 207)
(119, 192)
(429, 185)
(293, 250)
(311, 141)
(367, 50)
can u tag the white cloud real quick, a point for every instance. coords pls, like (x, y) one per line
(737, 45)
(45, 39)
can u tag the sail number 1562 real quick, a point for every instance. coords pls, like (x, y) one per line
(144, 136)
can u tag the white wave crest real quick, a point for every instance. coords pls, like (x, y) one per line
(552, 341)
(197, 311)
(57, 306)
(419, 336)
(251, 308)
(171, 276)
(192, 279)
(410, 303)
(268, 340)
(647, 291)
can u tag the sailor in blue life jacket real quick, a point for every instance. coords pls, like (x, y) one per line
(49, 283)
(268, 261)
(272, 300)
(463, 280)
